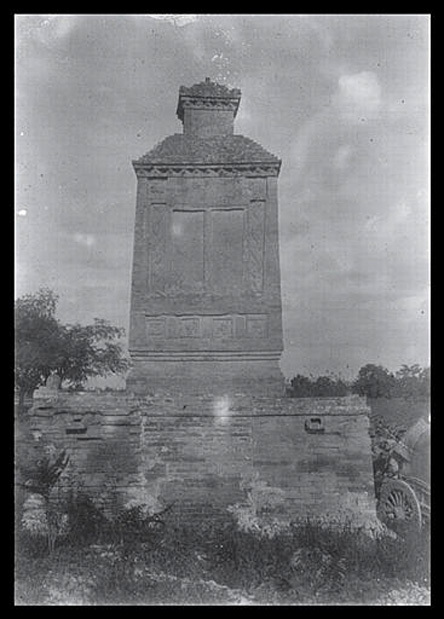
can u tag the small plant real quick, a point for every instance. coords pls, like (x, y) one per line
(134, 526)
(46, 473)
(87, 522)
(48, 519)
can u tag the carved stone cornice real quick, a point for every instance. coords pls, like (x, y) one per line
(149, 170)
(208, 95)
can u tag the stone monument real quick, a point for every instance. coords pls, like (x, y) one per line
(206, 311)
(203, 425)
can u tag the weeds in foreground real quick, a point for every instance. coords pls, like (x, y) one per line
(136, 560)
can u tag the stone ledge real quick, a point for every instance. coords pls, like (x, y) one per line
(189, 406)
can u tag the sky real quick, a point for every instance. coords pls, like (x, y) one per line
(343, 100)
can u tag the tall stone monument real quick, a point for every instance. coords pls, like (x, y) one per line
(206, 311)
(201, 426)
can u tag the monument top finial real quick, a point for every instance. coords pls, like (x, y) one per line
(208, 95)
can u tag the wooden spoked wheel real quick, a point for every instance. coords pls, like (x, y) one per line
(398, 506)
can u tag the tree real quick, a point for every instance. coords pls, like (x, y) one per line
(37, 340)
(325, 386)
(87, 351)
(301, 387)
(73, 352)
(374, 381)
(412, 381)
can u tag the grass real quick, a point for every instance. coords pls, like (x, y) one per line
(219, 564)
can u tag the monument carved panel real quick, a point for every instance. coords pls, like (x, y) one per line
(222, 327)
(256, 326)
(189, 327)
(255, 245)
(159, 217)
(155, 328)
(187, 234)
(215, 326)
(227, 236)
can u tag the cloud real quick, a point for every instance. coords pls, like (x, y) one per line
(342, 156)
(88, 240)
(177, 20)
(358, 95)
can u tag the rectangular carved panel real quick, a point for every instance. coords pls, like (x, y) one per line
(227, 231)
(256, 326)
(189, 327)
(158, 246)
(155, 328)
(187, 234)
(222, 327)
(255, 244)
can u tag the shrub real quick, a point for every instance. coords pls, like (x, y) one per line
(42, 515)
(87, 523)
(134, 525)
(321, 387)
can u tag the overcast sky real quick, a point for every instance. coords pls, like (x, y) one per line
(343, 100)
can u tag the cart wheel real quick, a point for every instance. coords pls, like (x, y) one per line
(398, 506)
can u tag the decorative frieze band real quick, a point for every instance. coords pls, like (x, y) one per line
(214, 327)
(201, 103)
(144, 170)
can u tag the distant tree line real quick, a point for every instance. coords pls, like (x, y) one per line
(373, 381)
(322, 386)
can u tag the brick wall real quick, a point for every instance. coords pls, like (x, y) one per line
(260, 457)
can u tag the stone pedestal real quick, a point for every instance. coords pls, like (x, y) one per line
(260, 460)
(193, 377)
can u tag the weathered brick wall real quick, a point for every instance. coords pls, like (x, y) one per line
(261, 457)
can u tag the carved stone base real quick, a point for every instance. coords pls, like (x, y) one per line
(234, 376)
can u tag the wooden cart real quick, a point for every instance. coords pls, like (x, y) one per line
(404, 501)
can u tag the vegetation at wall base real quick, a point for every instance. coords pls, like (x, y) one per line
(210, 563)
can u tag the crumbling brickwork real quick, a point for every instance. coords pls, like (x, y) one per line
(270, 457)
